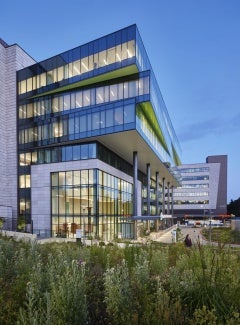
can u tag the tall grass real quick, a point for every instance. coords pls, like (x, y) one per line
(70, 284)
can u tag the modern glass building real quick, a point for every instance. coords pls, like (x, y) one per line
(96, 145)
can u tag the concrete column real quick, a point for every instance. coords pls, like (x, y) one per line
(148, 193)
(135, 192)
(172, 188)
(168, 198)
(163, 195)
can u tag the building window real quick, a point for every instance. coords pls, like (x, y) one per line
(190, 194)
(194, 170)
(93, 201)
(80, 66)
(195, 178)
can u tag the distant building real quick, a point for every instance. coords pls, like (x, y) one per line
(203, 188)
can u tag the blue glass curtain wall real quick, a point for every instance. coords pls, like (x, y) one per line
(163, 116)
(78, 99)
(69, 153)
(106, 119)
(108, 53)
(81, 113)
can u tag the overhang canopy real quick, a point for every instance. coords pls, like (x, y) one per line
(125, 143)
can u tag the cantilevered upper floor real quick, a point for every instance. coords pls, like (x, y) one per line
(104, 90)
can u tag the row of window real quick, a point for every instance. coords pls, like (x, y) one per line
(76, 125)
(85, 98)
(71, 180)
(194, 170)
(195, 178)
(101, 59)
(195, 186)
(191, 202)
(58, 154)
(190, 194)
(76, 152)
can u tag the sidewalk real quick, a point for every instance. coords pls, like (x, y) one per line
(163, 236)
(167, 237)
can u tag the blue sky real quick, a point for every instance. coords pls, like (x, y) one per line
(193, 46)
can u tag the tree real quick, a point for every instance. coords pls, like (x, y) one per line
(2, 220)
(234, 207)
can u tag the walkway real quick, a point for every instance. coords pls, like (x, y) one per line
(195, 234)
(167, 236)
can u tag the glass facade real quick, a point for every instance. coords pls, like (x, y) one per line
(80, 114)
(67, 104)
(80, 68)
(93, 201)
(84, 151)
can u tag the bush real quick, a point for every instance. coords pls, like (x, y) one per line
(70, 284)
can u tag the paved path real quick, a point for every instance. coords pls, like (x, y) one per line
(195, 234)
(168, 237)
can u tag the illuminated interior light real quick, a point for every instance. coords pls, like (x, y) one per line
(129, 53)
(101, 98)
(78, 104)
(117, 55)
(112, 93)
(87, 98)
(105, 61)
(85, 66)
(76, 69)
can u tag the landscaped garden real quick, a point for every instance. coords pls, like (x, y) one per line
(223, 235)
(145, 284)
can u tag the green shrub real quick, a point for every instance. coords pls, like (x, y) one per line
(118, 296)
(150, 284)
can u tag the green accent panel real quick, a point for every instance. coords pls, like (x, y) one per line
(176, 158)
(100, 78)
(147, 110)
